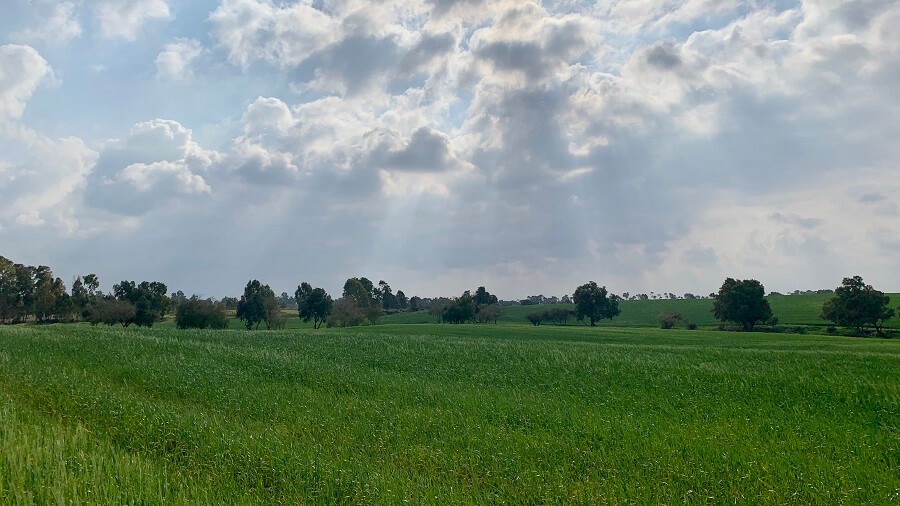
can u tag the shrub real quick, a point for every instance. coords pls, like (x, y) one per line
(559, 316)
(345, 313)
(669, 320)
(490, 313)
(692, 326)
(197, 313)
(536, 318)
(111, 312)
(831, 329)
(799, 330)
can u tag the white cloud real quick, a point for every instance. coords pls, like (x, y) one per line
(125, 18)
(22, 69)
(60, 26)
(175, 60)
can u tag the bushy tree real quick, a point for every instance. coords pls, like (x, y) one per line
(594, 303)
(415, 303)
(669, 320)
(858, 305)
(402, 301)
(483, 297)
(251, 309)
(460, 310)
(111, 311)
(149, 299)
(742, 302)
(559, 316)
(345, 313)
(313, 304)
(489, 314)
(197, 313)
(536, 317)
(360, 290)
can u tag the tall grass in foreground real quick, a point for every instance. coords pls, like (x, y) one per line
(446, 414)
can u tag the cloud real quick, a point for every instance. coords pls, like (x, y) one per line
(176, 58)
(798, 221)
(870, 198)
(125, 18)
(60, 26)
(22, 69)
(157, 163)
(281, 34)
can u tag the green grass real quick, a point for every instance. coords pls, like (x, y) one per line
(790, 310)
(446, 414)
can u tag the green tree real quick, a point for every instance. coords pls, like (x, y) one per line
(483, 298)
(360, 290)
(345, 313)
(594, 303)
(402, 301)
(197, 313)
(460, 310)
(313, 304)
(251, 309)
(742, 302)
(858, 305)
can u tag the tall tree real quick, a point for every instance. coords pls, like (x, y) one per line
(360, 290)
(402, 301)
(858, 305)
(742, 302)
(483, 298)
(595, 303)
(251, 308)
(313, 304)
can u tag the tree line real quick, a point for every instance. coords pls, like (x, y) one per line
(29, 293)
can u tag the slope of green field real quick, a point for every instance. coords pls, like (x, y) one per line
(444, 415)
(790, 310)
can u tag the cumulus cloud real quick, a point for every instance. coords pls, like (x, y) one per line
(22, 69)
(158, 162)
(125, 18)
(59, 26)
(176, 58)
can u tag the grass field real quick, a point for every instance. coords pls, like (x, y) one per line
(446, 414)
(790, 310)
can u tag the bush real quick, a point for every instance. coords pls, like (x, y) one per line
(669, 320)
(559, 316)
(345, 313)
(692, 326)
(490, 313)
(536, 318)
(111, 312)
(200, 314)
(799, 330)
(831, 329)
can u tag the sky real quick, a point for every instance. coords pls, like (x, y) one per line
(440, 145)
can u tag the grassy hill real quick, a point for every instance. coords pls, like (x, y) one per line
(790, 310)
(445, 414)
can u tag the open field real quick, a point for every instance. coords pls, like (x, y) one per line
(790, 310)
(446, 414)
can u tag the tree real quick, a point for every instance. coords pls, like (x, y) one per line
(402, 301)
(111, 312)
(251, 309)
(669, 320)
(313, 304)
(858, 305)
(483, 298)
(488, 314)
(460, 310)
(274, 317)
(438, 307)
(359, 291)
(415, 303)
(560, 316)
(345, 313)
(148, 298)
(386, 296)
(742, 302)
(594, 303)
(536, 317)
(197, 313)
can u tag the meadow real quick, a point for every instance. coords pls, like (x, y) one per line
(441, 414)
(803, 310)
